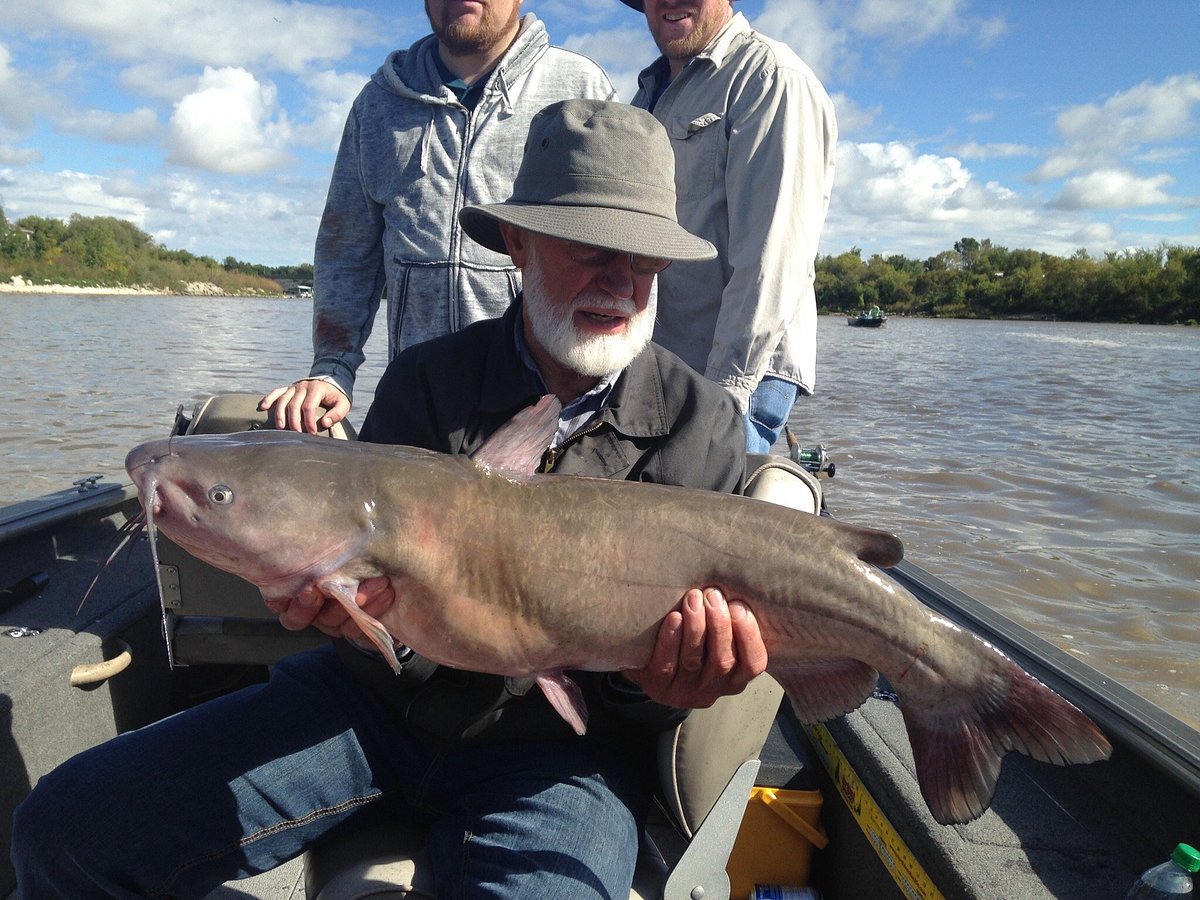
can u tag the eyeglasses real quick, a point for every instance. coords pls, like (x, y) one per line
(598, 257)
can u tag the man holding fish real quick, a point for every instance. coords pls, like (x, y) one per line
(517, 804)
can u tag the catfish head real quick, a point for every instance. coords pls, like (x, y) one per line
(255, 503)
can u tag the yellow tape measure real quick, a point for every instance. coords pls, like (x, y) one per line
(889, 846)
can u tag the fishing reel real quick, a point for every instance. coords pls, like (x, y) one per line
(814, 459)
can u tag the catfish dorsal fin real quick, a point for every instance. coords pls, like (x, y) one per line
(518, 445)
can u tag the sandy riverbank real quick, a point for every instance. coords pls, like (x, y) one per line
(7, 288)
(18, 285)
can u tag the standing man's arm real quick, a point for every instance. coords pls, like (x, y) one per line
(781, 146)
(348, 282)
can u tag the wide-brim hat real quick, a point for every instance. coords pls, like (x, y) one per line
(639, 5)
(596, 172)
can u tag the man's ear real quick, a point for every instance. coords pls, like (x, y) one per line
(517, 241)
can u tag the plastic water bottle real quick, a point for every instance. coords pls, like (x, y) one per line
(1172, 879)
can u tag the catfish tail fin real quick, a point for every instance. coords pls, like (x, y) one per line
(958, 749)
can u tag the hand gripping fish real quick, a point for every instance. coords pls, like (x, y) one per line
(496, 569)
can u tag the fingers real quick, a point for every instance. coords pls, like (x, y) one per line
(706, 649)
(659, 672)
(309, 405)
(694, 615)
(312, 608)
(297, 613)
(749, 647)
(268, 401)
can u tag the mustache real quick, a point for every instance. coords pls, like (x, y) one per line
(605, 305)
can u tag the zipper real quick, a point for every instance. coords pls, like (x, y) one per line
(452, 270)
(550, 457)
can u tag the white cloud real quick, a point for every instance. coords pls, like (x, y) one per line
(17, 156)
(290, 37)
(61, 194)
(892, 180)
(851, 117)
(583, 12)
(328, 96)
(18, 97)
(231, 124)
(159, 79)
(889, 198)
(1097, 135)
(622, 52)
(807, 28)
(917, 21)
(975, 150)
(133, 127)
(1112, 189)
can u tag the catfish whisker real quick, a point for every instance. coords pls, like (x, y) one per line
(127, 535)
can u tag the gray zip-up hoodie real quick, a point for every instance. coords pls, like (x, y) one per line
(411, 157)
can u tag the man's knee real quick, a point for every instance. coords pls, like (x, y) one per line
(41, 823)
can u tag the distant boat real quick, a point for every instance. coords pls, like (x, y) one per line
(874, 318)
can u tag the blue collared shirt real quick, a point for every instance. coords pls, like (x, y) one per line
(578, 412)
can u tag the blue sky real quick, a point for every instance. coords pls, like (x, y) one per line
(212, 124)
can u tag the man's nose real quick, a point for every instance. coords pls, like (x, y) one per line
(617, 278)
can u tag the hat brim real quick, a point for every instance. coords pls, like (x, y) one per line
(639, 5)
(625, 231)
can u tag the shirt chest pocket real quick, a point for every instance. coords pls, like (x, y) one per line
(699, 145)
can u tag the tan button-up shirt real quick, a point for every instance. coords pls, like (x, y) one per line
(754, 135)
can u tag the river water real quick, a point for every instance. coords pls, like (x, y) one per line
(1051, 470)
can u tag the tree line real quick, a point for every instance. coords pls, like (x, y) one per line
(102, 250)
(978, 279)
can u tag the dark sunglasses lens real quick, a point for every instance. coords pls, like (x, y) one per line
(648, 265)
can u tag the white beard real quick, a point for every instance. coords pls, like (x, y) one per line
(594, 355)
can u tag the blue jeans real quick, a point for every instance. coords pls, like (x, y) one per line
(770, 405)
(241, 784)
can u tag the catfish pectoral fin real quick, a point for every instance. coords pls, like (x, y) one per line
(345, 592)
(822, 690)
(957, 748)
(566, 697)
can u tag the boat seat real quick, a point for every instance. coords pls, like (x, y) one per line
(707, 765)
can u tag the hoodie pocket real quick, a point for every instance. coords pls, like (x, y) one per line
(699, 144)
(418, 305)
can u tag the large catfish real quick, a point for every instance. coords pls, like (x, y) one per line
(496, 569)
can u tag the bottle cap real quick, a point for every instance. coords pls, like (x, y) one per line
(1187, 858)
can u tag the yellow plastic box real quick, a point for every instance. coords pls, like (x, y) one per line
(776, 840)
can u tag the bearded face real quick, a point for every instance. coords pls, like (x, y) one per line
(682, 28)
(552, 320)
(477, 26)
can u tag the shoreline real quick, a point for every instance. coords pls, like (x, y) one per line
(18, 285)
(6, 288)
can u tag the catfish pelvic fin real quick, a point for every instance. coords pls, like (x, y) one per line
(566, 698)
(516, 449)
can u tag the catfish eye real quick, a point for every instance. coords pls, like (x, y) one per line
(220, 494)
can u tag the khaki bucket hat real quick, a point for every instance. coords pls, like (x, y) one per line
(639, 5)
(595, 172)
